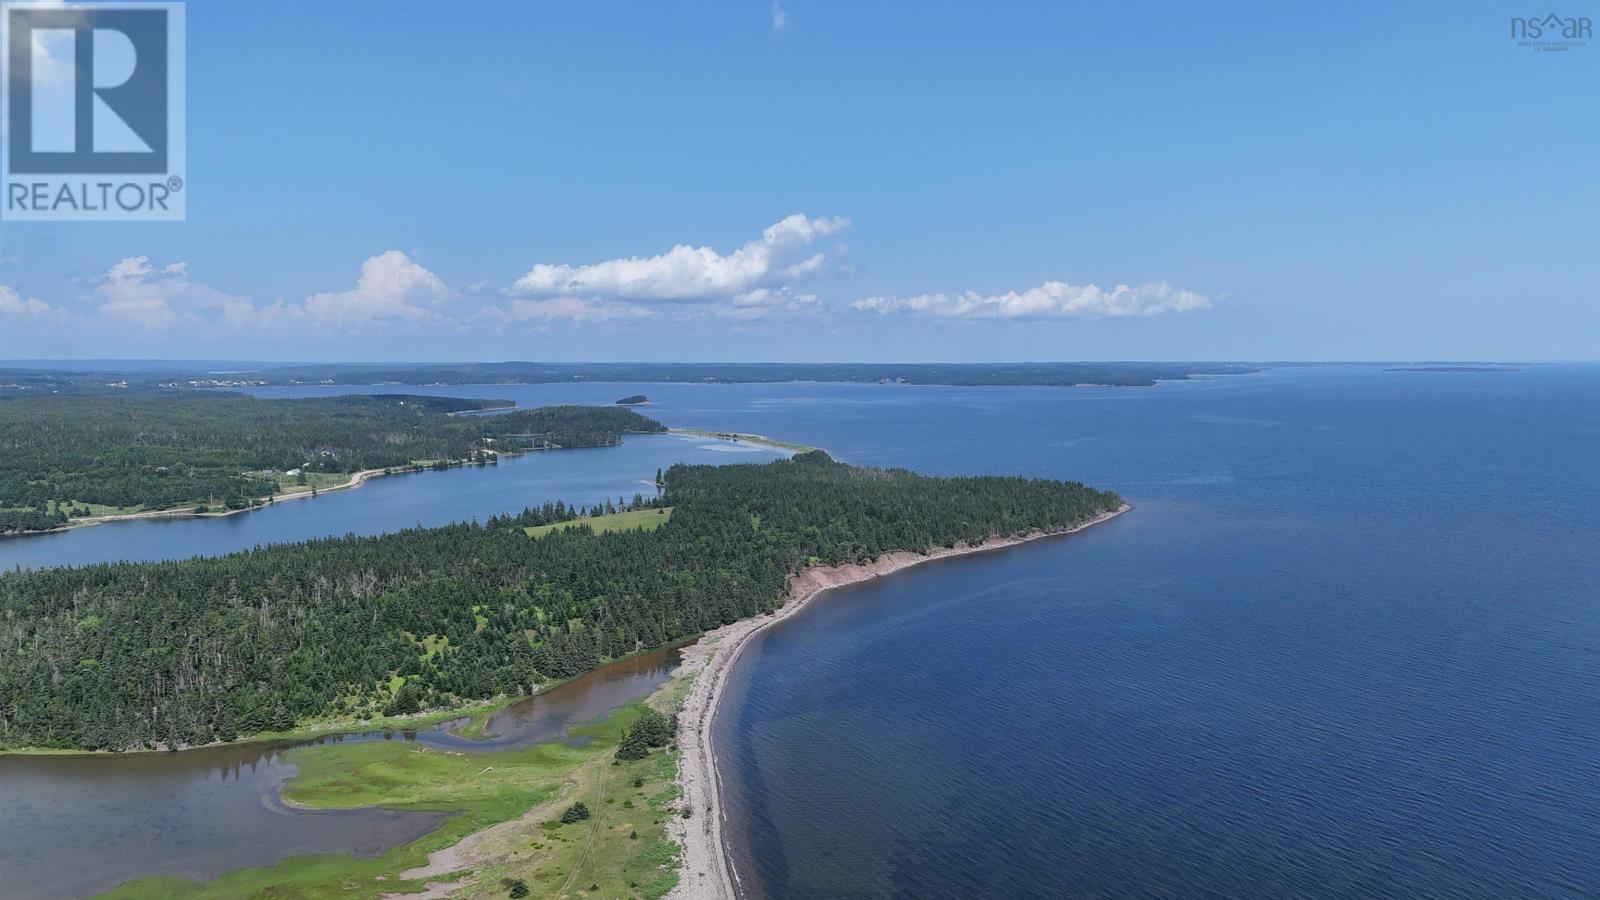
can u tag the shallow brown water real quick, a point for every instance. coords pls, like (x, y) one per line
(75, 825)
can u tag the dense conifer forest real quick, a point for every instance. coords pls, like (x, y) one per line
(67, 456)
(182, 653)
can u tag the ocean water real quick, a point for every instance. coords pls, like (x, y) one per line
(1347, 644)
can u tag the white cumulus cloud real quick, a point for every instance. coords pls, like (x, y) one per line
(134, 292)
(16, 308)
(391, 290)
(1053, 299)
(764, 271)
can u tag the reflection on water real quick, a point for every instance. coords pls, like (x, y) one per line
(74, 825)
(537, 719)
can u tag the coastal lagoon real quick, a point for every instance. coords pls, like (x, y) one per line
(1346, 644)
(76, 824)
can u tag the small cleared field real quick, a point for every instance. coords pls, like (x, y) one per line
(100, 509)
(637, 520)
(321, 481)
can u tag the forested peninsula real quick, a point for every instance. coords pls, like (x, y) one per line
(146, 655)
(78, 457)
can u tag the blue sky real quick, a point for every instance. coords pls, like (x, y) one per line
(865, 181)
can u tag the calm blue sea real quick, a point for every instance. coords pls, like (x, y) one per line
(1346, 645)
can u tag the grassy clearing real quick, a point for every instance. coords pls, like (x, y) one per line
(321, 481)
(621, 852)
(637, 520)
(101, 509)
(288, 485)
(95, 509)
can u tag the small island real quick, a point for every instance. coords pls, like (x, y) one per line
(634, 400)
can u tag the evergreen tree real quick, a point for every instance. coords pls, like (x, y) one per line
(577, 812)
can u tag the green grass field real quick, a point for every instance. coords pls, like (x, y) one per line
(289, 484)
(100, 509)
(622, 851)
(639, 519)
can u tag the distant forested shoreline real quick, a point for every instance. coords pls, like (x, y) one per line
(77, 456)
(101, 378)
(172, 654)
